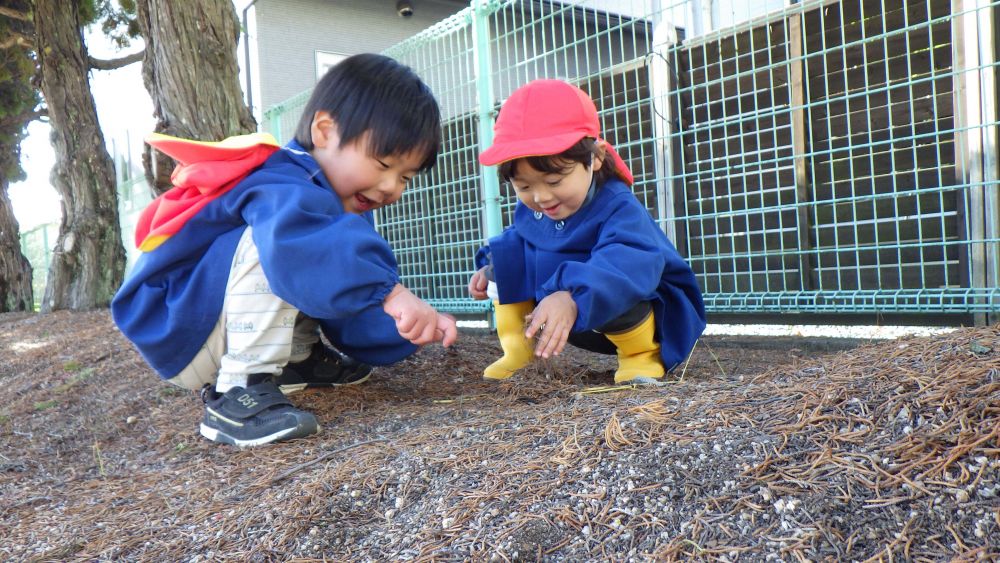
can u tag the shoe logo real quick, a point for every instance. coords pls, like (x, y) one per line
(247, 401)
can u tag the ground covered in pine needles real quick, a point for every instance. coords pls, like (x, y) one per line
(887, 451)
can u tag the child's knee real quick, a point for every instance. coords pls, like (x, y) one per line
(193, 380)
(628, 319)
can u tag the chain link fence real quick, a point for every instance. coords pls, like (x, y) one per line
(821, 157)
(813, 157)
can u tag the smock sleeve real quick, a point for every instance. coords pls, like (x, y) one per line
(624, 268)
(327, 263)
(506, 252)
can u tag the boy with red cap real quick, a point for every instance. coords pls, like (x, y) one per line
(583, 259)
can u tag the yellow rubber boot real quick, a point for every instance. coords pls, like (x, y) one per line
(638, 352)
(518, 351)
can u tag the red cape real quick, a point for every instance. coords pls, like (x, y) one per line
(205, 171)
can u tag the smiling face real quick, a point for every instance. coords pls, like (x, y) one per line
(363, 182)
(556, 194)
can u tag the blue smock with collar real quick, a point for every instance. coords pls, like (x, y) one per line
(329, 264)
(609, 256)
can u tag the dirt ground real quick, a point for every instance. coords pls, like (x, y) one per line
(886, 452)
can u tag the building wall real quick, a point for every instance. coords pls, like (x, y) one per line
(289, 32)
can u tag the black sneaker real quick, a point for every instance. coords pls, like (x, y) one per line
(259, 414)
(325, 367)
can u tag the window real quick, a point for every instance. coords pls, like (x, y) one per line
(325, 60)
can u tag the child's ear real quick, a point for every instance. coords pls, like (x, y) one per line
(599, 155)
(324, 130)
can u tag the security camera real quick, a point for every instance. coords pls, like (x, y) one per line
(404, 8)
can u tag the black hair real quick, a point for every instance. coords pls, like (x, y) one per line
(583, 152)
(376, 94)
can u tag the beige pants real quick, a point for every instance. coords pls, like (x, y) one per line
(258, 332)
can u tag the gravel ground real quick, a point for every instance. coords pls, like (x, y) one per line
(757, 451)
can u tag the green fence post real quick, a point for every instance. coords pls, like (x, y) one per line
(45, 245)
(975, 124)
(661, 104)
(990, 57)
(484, 92)
(271, 122)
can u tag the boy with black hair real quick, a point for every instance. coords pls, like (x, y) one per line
(258, 248)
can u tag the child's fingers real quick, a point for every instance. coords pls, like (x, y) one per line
(410, 335)
(530, 331)
(478, 282)
(544, 333)
(430, 333)
(447, 329)
(473, 287)
(450, 336)
(552, 341)
(477, 286)
(422, 333)
(405, 324)
(414, 336)
(544, 343)
(535, 325)
(561, 345)
(447, 337)
(413, 328)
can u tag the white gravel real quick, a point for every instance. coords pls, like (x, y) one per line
(828, 331)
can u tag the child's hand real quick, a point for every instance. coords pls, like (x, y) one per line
(417, 321)
(553, 319)
(478, 284)
(447, 330)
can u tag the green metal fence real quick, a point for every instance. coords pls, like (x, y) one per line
(134, 195)
(823, 157)
(36, 246)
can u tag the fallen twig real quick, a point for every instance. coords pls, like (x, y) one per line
(323, 457)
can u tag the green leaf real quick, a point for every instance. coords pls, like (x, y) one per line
(43, 405)
(978, 348)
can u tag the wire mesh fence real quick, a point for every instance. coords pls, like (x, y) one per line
(36, 246)
(817, 157)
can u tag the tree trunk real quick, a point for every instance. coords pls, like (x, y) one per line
(15, 270)
(191, 73)
(88, 261)
(17, 104)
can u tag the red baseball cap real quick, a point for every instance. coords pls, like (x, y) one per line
(546, 117)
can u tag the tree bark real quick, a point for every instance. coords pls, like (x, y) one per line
(191, 73)
(15, 270)
(17, 108)
(88, 261)
(14, 13)
(112, 64)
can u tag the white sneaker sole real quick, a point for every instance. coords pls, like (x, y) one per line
(215, 435)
